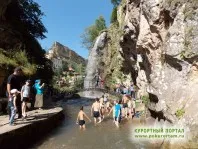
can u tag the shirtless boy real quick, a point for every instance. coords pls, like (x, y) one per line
(95, 111)
(80, 118)
(125, 100)
(102, 107)
(108, 106)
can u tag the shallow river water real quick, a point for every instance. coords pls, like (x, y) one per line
(101, 136)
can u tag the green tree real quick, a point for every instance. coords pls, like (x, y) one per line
(115, 2)
(22, 27)
(100, 24)
(92, 32)
(114, 15)
(31, 17)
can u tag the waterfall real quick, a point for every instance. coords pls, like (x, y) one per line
(91, 70)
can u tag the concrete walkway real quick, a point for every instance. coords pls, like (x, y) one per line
(33, 116)
(26, 132)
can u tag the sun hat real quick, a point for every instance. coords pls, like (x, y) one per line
(14, 91)
(37, 81)
(28, 80)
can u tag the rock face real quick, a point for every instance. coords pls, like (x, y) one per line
(161, 37)
(61, 51)
(157, 48)
(60, 55)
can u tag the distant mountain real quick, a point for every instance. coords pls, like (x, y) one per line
(59, 51)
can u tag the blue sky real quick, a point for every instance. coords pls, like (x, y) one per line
(66, 20)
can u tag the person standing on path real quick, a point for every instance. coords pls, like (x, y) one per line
(39, 94)
(12, 105)
(25, 97)
(15, 82)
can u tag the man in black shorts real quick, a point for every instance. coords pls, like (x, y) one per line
(15, 82)
(125, 100)
(95, 110)
(80, 118)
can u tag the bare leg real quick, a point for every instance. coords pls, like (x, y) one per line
(117, 123)
(102, 114)
(83, 126)
(99, 118)
(130, 113)
(23, 105)
(114, 120)
(94, 120)
(123, 109)
(126, 111)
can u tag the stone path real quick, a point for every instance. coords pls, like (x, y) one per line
(33, 116)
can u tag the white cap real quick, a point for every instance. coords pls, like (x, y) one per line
(14, 91)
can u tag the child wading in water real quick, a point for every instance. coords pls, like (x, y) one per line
(80, 118)
(12, 105)
(116, 113)
(25, 96)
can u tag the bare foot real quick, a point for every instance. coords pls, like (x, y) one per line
(117, 124)
(99, 122)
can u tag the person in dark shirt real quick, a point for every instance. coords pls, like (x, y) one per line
(15, 82)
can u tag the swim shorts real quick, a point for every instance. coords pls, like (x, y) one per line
(81, 122)
(96, 114)
(125, 105)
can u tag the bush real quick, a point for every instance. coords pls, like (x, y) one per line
(179, 113)
(14, 59)
(145, 100)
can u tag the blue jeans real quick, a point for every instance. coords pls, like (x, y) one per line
(13, 113)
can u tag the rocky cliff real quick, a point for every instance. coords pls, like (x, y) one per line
(161, 35)
(155, 44)
(60, 51)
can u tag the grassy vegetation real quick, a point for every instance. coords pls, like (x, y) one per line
(180, 112)
(4, 60)
(114, 15)
(145, 99)
(112, 61)
(14, 59)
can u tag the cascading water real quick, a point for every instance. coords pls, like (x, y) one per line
(91, 70)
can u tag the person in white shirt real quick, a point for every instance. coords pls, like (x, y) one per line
(25, 97)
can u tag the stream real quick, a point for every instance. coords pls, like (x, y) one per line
(101, 136)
